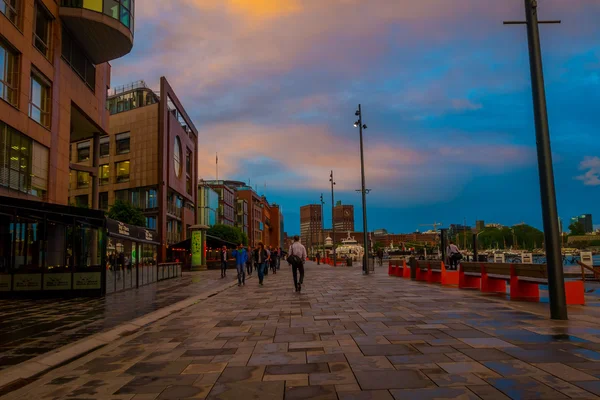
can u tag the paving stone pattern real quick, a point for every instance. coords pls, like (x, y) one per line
(29, 328)
(346, 336)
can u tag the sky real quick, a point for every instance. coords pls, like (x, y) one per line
(272, 86)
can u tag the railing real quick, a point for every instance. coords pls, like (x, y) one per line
(126, 88)
(173, 210)
(169, 270)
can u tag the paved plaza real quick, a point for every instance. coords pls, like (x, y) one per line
(346, 336)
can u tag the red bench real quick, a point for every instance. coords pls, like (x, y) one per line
(436, 271)
(524, 280)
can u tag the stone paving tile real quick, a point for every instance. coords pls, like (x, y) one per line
(345, 336)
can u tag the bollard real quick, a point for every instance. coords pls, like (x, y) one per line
(413, 268)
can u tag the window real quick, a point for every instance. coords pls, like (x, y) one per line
(123, 171)
(83, 151)
(42, 29)
(10, 8)
(83, 179)
(151, 223)
(40, 100)
(103, 201)
(188, 162)
(105, 146)
(9, 73)
(177, 157)
(188, 185)
(122, 142)
(82, 201)
(122, 195)
(77, 59)
(104, 174)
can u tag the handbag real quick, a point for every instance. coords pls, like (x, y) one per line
(294, 259)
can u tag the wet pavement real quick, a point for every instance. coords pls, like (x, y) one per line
(346, 336)
(29, 328)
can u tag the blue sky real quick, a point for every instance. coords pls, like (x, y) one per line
(272, 86)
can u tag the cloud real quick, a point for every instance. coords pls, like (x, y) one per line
(592, 175)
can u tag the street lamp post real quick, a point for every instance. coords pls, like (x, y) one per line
(322, 226)
(332, 218)
(556, 287)
(362, 126)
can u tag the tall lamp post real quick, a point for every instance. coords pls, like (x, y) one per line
(332, 218)
(322, 226)
(556, 287)
(359, 124)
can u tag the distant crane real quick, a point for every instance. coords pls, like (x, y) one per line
(435, 225)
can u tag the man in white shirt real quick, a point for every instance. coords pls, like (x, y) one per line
(296, 256)
(453, 255)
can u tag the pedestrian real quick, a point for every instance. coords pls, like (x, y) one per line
(454, 255)
(267, 261)
(223, 258)
(279, 255)
(249, 260)
(260, 258)
(273, 260)
(318, 258)
(296, 257)
(240, 263)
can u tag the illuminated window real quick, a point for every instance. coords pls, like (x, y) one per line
(177, 157)
(83, 180)
(104, 174)
(122, 171)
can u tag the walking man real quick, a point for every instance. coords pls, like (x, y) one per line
(318, 258)
(223, 256)
(296, 257)
(249, 260)
(453, 255)
(241, 257)
(260, 258)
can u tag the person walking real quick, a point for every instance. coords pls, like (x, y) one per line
(223, 258)
(279, 255)
(249, 260)
(454, 255)
(273, 260)
(260, 258)
(318, 258)
(297, 257)
(240, 263)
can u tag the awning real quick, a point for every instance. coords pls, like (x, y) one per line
(140, 234)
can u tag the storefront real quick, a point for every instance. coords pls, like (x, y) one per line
(131, 254)
(50, 250)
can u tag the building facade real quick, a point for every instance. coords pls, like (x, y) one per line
(311, 225)
(227, 201)
(241, 215)
(586, 221)
(255, 213)
(208, 205)
(149, 159)
(344, 217)
(53, 79)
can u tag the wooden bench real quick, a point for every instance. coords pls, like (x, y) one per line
(399, 268)
(436, 272)
(524, 280)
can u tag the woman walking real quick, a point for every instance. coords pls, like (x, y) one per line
(260, 258)
(249, 261)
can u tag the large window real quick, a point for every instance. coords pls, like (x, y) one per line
(151, 223)
(83, 151)
(123, 171)
(122, 141)
(105, 146)
(143, 198)
(83, 180)
(77, 59)
(23, 163)
(11, 8)
(9, 73)
(40, 99)
(105, 174)
(177, 157)
(42, 32)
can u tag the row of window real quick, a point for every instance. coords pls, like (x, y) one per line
(121, 10)
(122, 175)
(42, 23)
(40, 95)
(23, 162)
(122, 146)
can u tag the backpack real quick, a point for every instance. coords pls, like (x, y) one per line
(294, 259)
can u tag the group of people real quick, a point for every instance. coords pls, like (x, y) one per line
(264, 259)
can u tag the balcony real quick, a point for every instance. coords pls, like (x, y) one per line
(103, 27)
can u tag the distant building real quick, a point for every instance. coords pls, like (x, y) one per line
(586, 221)
(380, 232)
(311, 225)
(208, 205)
(344, 217)
(480, 225)
(241, 215)
(456, 229)
(494, 225)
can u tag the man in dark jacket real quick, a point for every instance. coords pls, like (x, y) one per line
(223, 258)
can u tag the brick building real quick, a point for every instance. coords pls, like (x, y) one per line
(344, 217)
(311, 225)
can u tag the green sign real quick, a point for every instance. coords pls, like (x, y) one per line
(27, 282)
(57, 281)
(4, 283)
(87, 280)
(196, 248)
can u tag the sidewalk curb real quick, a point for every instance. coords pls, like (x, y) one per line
(17, 376)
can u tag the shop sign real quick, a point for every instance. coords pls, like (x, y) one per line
(123, 229)
(57, 281)
(4, 282)
(196, 248)
(88, 280)
(27, 282)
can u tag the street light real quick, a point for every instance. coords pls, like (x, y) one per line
(332, 218)
(322, 226)
(359, 124)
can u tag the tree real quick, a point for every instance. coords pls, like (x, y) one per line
(377, 246)
(126, 213)
(228, 233)
(577, 229)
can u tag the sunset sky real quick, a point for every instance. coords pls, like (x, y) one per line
(272, 86)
